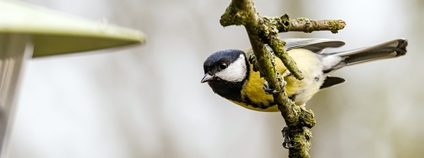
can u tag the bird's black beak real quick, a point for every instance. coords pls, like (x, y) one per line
(206, 78)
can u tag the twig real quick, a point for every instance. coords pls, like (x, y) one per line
(285, 24)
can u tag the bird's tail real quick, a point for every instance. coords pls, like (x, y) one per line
(390, 49)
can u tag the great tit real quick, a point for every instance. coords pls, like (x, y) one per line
(230, 73)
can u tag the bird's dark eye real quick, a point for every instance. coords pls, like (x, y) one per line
(223, 66)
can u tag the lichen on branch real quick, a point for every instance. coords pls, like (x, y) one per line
(285, 24)
(309, 25)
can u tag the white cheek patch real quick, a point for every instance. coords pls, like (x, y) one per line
(235, 72)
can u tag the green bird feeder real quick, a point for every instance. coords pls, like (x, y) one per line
(28, 31)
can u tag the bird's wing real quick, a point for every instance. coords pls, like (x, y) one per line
(316, 45)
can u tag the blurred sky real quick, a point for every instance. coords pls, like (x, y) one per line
(147, 101)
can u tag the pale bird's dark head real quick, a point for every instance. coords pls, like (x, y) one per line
(226, 65)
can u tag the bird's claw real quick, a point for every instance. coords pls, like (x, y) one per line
(269, 90)
(288, 144)
(252, 59)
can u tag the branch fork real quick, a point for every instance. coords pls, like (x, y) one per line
(263, 32)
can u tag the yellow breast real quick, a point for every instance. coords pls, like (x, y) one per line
(255, 98)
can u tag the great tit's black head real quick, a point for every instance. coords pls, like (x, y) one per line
(228, 65)
(226, 71)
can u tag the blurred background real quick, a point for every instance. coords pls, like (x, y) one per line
(147, 101)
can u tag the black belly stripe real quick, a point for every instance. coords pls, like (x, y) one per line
(249, 102)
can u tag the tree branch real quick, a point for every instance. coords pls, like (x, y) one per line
(308, 25)
(285, 24)
(264, 31)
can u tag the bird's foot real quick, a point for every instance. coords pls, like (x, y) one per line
(269, 90)
(288, 144)
(252, 59)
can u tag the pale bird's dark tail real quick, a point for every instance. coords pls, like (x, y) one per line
(390, 49)
(337, 60)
